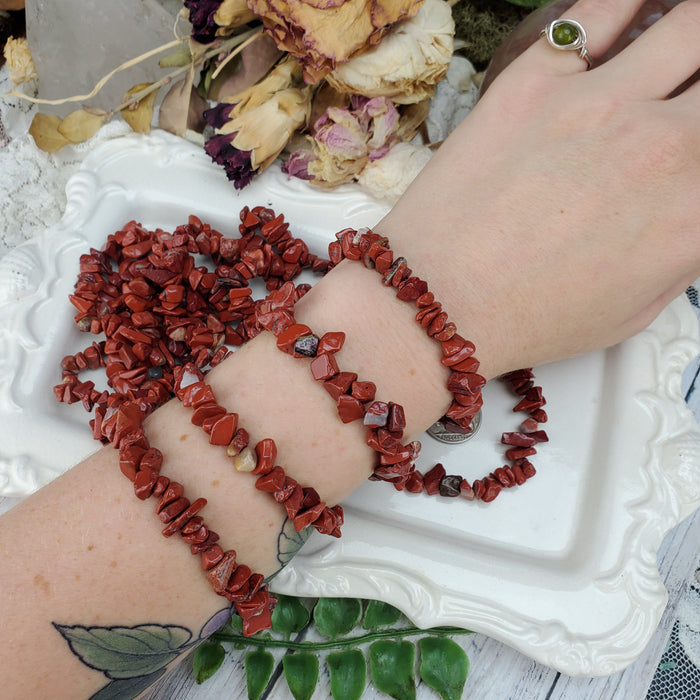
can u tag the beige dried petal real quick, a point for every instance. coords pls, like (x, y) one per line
(266, 129)
(19, 61)
(44, 131)
(411, 59)
(324, 34)
(232, 14)
(283, 76)
(139, 115)
(329, 170)
(388, 178)
(80, 125)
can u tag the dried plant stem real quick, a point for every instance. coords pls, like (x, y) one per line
(102, 81)
(240, 39)
(235, 52)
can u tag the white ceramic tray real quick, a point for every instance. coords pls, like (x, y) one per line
(563, 568)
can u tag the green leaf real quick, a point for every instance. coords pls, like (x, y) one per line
(259, 665)
(380, 614)
(301, 672)
(208, 657)
(290, 615)
(348, 674)
(391, 664)
(127, 688)
(443, 666)
(336, 616)
(126, 652)
(236, 623)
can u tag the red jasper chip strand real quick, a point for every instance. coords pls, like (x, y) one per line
(463, 382)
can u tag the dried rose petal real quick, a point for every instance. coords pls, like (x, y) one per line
(324, 33)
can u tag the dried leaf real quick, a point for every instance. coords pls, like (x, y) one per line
(44, 131)
(174, 110)
(80, 125)
(178, 58)
(139, 115)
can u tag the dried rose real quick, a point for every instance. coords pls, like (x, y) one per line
(408, 63)
(232, 14)
(19, 61)
(236, 163)
(284, 75)
(345, 140)
(389, 177)
(202, 14)
(326, 33)
(261, 120)
(265, 130)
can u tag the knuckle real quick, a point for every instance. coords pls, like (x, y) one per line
(687, 16)
(666, 152)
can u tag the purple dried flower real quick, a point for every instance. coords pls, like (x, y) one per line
(202, 19)
(218, 116)
(297, 165)
(236, 163)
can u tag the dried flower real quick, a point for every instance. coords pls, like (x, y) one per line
(260, 120)
(346, 139)
(410, 60)
(325, 33)
(265, 130)
(232, 14)
(235, 163)
(19, 61)
(202, 14)
(284, 75)
(389, 177)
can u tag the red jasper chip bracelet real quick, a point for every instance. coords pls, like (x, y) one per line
(302, 504)
(464, 382)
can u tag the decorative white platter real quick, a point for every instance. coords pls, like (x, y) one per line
(563, 568)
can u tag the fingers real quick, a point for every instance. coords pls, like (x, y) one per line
(662, 58)
(602, 20)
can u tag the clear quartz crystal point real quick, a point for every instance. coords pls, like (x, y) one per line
(74, 43)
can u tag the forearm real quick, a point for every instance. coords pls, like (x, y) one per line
(93, 554)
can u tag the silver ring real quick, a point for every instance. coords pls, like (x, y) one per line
(567, 35)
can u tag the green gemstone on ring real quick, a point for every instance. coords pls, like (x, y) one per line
(565, 34)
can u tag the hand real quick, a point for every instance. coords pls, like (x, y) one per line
(563, 213)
